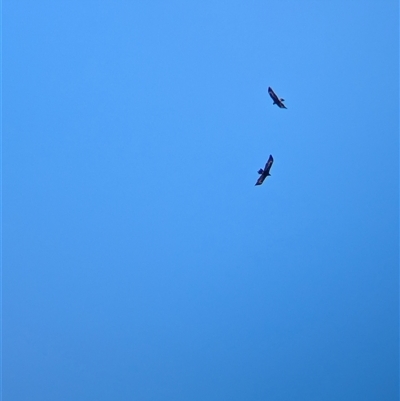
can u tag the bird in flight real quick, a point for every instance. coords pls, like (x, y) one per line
(265, 173)
(278, 101)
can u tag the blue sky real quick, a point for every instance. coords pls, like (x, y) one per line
(140, 262)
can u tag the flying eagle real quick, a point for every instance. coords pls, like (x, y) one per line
(278, 101)
(265, 173)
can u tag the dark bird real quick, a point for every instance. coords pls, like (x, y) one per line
(265, 173)
(278, 101)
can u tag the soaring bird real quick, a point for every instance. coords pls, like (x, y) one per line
(277, 100)
(265, 173)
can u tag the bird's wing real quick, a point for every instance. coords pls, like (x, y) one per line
(269, 163)
(260, 180)
(272, 93)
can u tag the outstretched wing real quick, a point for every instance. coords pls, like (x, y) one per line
(273, 95)
(268, 165)
(260, 180)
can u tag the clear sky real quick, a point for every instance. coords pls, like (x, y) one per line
(140, 262)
